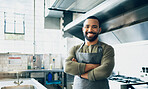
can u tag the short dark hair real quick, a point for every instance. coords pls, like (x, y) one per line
(94, 17)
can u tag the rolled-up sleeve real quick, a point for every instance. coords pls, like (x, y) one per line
(106, 67)
(72, 67)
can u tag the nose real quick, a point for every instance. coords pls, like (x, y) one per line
(90, 29)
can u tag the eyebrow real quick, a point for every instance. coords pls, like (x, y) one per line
(89, 25)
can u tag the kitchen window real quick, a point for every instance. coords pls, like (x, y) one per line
(14, 23)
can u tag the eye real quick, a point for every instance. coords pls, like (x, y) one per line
(94, 26)
(87, 26)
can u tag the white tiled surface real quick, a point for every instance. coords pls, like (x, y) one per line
(47, 40)
(5, 66)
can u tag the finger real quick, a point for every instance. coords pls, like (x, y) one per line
(73, 59)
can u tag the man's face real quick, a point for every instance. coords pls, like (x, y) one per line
(91, 29)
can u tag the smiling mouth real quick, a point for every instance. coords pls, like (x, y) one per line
(90, 32)
(91, 36)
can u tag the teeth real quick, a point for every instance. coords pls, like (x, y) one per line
(90, 34)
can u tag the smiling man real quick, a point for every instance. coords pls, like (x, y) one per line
(92, 61)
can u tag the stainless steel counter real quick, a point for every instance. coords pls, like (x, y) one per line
(26, 81)
(45, 71)
(33, 70)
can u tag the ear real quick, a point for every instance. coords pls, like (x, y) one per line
(100, 30)
(82, 29)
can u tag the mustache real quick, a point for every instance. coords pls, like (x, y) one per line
(91, 32)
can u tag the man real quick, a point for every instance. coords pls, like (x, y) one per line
(91, 62)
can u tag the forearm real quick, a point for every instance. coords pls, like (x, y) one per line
(102, 71)
(74, 68)
(106, 67)
(89, 67)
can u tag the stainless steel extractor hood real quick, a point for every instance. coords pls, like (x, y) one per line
(71, 5)
(114, 15)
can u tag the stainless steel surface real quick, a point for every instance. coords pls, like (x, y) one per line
(34, 70)
(45, 71)
(127, 19)
(132, 33)
(126, 79)
(109, 38)
(76, 5)
(72, 5)
(128, 82)
(20, 87)
(18, 82)
(8, 83)
(114, 15)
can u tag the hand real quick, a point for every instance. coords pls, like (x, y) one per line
(84, 75)
(73, 59)
(87, 68)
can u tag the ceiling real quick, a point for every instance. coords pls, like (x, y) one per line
(72, 5)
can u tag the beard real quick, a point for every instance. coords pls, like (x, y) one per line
(91, 38)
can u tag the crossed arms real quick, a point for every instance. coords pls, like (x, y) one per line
(88, 67)
(91, 71)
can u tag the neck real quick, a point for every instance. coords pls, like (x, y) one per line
(91, 43)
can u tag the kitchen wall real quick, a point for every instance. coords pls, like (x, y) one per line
(131, 57)
(46, 40)
(18, 62)
(49, 43)
(11, 62)
(24, 45)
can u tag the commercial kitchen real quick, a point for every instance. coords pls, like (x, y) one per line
(36, 36)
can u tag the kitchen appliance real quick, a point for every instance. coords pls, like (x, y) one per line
(127, 82)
